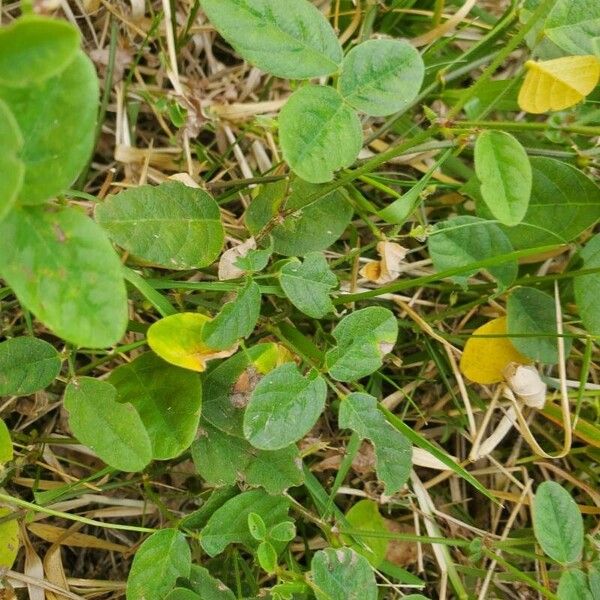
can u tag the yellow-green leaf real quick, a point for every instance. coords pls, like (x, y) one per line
(9, 536)
(178, 340)
(6, 448)
(485, 358)
(558, 84)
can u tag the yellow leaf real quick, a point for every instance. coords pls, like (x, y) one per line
(485, 358)
(559, 83)
(178, 340)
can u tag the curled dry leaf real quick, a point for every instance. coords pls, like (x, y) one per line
(227, 267)
(526, 383)
(184, 178)
(386, 269)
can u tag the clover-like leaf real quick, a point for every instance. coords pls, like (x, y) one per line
(291, 39)
(359, 412)
(27, 365)
(167, 398)
(365, 515)
(284, 407)
(573, 585)
(363, 338)
(229, 523)
(381, 77)
(63, 268)
(574, 26)
(307, 284)
(319, 133)
(170, 225)
(113, 430)
(504, 170)
(488, 352)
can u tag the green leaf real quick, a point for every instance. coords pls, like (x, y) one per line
(167, 398)
(363, 338)
(317, 225)
(284, 407)
(257, 527)
(33, 49)
(223, 459)
(573, 585)
(557, 523)
(113, 430)
(307, 284)
(224, 404)
(574, 26)
(465, 239)
(12, 169)
(342, 574)
(504, 170)
(229, 524)
(208, 587)
(365, 515)
(381, 77)
(57, 118)
(267, 557)
(27, 364)
(393, 451)
(197, 519)
(292, 40)
(319, 134)
(532, 312)
(283, 532)
(170, 225)
(564, 203)
(236, 320)
(594, 580)
(9, 534)
(181, 593)
(587, 287)
(157, 564)
(64, 270)
(6, 447)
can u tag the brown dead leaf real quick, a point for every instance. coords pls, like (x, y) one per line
(58, 535)
(227, 266)
(387, 269)
(399, 552)
(244, 386)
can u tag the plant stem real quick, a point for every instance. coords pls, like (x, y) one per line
(543, 9)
